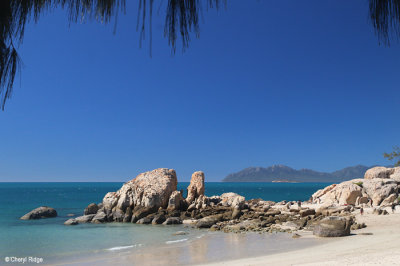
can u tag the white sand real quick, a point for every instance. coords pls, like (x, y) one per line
(380, 248)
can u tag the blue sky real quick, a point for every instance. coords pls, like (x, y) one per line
(269, 82)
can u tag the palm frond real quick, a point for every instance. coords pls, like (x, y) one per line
(385, 18)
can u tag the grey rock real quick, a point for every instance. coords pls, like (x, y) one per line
(208, 221)
(172, 220)
(100, 217)
(71, 222)
(85, 218)
(141, 212)
(92, 208)
(333, 226)
(39, 213)
(304, 213)
(236, 213)
(158, 219)
(145, 220)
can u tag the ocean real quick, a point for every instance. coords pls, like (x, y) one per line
(52, 240)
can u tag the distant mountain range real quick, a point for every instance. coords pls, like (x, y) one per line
(282, 173)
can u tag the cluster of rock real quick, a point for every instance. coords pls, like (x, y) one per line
(152, 198)
(379, 187)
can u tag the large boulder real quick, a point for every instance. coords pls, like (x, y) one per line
(333, 226)
(396, 174)
(389, 200)
(378, 184)
(92, 208)
(378, 172)
(233, 200)
(172, 220)
(80, 220)
(208, 221)
(322, 192)
(100, 217)
(176, 201)
(39, 213)
(145, 194)
(343, 193)
(379, 189)
(196, 187)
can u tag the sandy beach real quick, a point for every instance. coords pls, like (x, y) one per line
(361, 248)
(377, 244)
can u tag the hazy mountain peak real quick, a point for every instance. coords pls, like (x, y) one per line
(285, 173)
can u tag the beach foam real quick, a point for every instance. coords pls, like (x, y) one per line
(123, 247)
(176, 241)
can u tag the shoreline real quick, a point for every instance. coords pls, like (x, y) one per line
(360, 248)
(382, 247)
(212, 247)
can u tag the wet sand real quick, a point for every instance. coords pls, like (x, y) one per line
(378, 244)
(211, 248)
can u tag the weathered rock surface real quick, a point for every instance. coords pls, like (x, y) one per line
(396, 174)
(39, 213)
(196, 187)
(139, 197)
(379, 186)
(172, 220)
(232, 200)
(80, 220)
(92, 208)
(158, 219)
(333, 226)
(100, 217)
(152, 198)
(208, 221)
(378, 172)
(176, 201)
(307, 212)
(389, 200)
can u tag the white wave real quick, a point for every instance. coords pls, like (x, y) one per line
(176, 241)
(123, 247)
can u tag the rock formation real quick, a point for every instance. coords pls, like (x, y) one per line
(379, 186)
(333, 226)
(91, 209)
(152, 198)
(176, 201)
(196, 187)
(39, 213)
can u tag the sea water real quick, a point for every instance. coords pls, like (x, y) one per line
(52, 240)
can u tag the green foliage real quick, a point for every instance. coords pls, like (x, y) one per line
(394, 155)
(360, 184)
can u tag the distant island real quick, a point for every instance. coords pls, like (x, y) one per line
(286, 174)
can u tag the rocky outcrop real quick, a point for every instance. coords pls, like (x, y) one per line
(378, 172)
(176, 201)
(379, 183)
(80, 220)
(333, 226)
(152, 198)
(232, 200)
(138, 197)
(396, 174)
(40, 213)
(92, 208)
(196, 187)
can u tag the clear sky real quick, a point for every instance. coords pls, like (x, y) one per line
(267, 82)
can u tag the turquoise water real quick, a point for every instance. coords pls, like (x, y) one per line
(50, 239)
